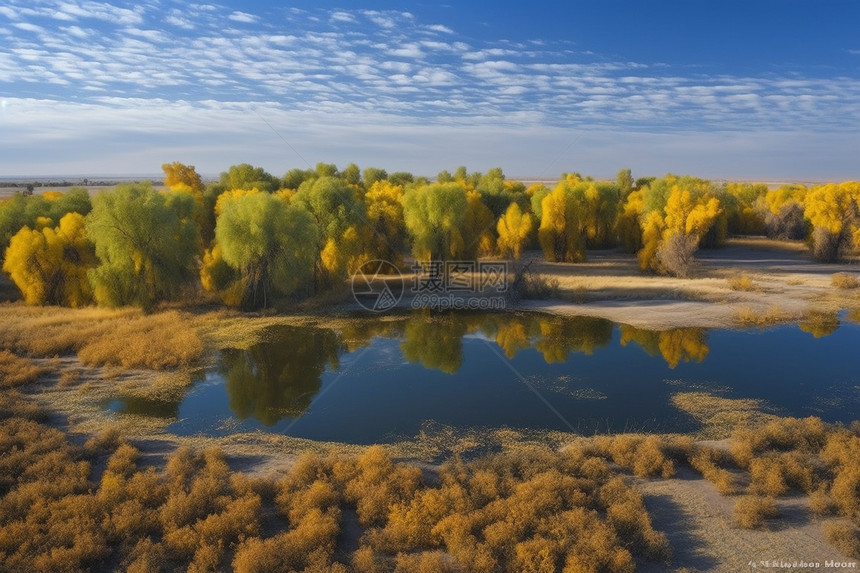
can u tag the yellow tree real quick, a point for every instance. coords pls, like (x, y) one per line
(514, 228)
(628, 224)
(184, 178)
(834, 213)
(50, 265)
(477, 227)
(782, 211)
(560, 232)
(385, 222)
(671, 238)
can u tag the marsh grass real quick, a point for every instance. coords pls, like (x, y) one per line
(720, 416)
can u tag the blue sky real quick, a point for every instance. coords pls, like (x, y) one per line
(729, 89)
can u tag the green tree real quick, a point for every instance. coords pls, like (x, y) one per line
(246, 176)
(435, 342)
(435, 215)
(351, 174)
(373, 174)
(146, 242)
(21, 210)
(402, 178)
(265, 382)
(295, 177)
(272, 247)
(624, 181)
(339, 215)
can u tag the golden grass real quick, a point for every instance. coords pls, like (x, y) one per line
(748, 316)
(844, 281)
(126, 338)
(743, 283)
(16, 371)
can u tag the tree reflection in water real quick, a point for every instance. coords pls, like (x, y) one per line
(279, 377)
(675, 345)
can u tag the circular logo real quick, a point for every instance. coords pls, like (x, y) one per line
(377, 285)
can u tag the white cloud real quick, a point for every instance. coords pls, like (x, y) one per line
(178, 19)
(341, 16)
(440, 28)
(381, 19)
(27, 27)
(243, 17)
(412, 51)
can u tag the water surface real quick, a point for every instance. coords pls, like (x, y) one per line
(377, 381)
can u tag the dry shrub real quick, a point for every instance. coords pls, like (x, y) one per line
(707, 461)
(424, 562)
(365, 560)
(157, 341)
(845, 537)
(123, 337)
(752, 510)
(69, 378)
(748, 316)
(15, 404)
(844, 281)
(820, 502)
(374, 484)
(676, 254)
(645, 455)
(16, 371)
(743, 283)
(626, 512)
(842, 455)
(806, 435)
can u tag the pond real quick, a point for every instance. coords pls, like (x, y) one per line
(382, 380)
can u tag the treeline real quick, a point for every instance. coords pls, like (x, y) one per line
(251, 236)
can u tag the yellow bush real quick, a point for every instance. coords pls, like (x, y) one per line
(705, 460)
(845, 281)
(752, 510)
(16, 371)
(844, 537)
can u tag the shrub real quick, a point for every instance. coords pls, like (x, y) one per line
(845, 280)
(677, 254)
(705, 460)
(844, 537)
(16, 371)
(742, 283)
(752, 510)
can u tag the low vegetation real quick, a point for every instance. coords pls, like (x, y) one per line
(845, 280)
(125, 338)
(530, 508)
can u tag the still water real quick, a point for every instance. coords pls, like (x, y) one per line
(381, 380)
